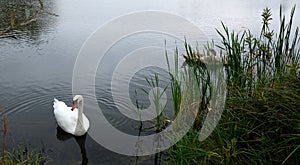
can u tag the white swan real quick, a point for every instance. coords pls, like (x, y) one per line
(71, 119)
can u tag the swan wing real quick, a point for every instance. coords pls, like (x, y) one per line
(65, 117)
(59, 104)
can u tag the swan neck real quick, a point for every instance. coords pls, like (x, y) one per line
(80, 110)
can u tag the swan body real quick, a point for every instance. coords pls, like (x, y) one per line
(71, 119)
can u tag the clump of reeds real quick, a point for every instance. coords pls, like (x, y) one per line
(261, 120)
(251, 60)
(23, 156)
(19, 155)
(263, 129)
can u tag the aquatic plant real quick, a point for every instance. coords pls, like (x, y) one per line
(260, 123)
(19, 155)
(174, 82)
(261, 129)
(156, 95)
(251, 60)
(22, 156)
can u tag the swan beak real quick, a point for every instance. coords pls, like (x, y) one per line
(74, 105)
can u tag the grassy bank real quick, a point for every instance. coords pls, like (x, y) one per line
(261, 120)
(262, 129)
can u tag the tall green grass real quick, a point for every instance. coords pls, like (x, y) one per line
(251, 60)
(175, 82)
(263, 129)
(22, 156)
(19, 155)
(194, 70)
(261, 120)
(157, 94)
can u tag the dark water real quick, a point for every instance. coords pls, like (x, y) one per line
(38, 66)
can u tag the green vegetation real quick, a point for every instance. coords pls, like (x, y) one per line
(261, 129)
(19, 155)
(261, 120)
(22, 156)
(156, 95)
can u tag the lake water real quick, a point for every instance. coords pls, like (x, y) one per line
(38, 66)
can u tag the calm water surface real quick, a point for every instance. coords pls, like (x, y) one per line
(38, 66)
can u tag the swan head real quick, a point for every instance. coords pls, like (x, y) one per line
(76, 99)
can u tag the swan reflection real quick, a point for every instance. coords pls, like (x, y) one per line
(80, 140)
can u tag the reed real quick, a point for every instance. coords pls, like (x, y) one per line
(159, 105)
(175, 83)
